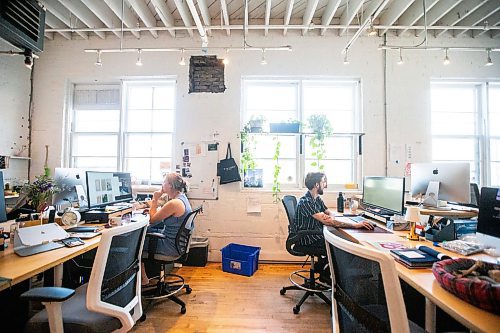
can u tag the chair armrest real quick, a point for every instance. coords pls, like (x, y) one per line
(48, 294)
(155, 235)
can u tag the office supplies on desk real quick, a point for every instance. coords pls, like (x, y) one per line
(83, 229)
(72, 241)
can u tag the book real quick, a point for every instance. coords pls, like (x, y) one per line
(419, 257)
(388, 246)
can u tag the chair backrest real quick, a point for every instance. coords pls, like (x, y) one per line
(474, 194)
(114, 287)
(366, 293)
(290, 203)
(183, 237)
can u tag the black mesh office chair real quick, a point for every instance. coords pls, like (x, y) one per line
(168, 284)
(367, 293)
(306, 280)
(110, 301)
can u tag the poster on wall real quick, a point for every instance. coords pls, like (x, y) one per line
(199, 169)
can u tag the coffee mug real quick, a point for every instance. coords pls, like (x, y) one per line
(115, 220)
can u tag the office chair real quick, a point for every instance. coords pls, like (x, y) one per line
(309, 283)
(110, 301)
(366, 292)
(169, 285)
(474, 194)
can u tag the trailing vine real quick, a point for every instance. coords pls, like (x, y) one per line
(277, 169)
(320, 125)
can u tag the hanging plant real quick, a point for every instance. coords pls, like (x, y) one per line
(321, 128)
(248, 149)
(277, 169)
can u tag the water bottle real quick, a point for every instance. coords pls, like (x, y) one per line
(340, 203)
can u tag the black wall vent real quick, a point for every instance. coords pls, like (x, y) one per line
(22, 23)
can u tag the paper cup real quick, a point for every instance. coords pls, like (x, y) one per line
(115, 221)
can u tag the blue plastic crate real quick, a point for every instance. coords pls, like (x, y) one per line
(240, 259)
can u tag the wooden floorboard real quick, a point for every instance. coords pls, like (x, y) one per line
(225, 302)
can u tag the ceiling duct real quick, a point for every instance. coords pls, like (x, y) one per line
(22, 23)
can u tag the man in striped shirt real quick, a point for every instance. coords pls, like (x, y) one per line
(312, 213)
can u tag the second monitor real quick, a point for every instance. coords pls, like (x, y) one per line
(384, 195)
(105, 188)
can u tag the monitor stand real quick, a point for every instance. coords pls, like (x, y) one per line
(432, 195)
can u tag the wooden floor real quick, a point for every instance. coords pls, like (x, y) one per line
(225, 302)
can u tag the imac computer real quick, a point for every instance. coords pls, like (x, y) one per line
(106, 188)
(447, 181)
(72, 185)
(488, 220)
(384, 195)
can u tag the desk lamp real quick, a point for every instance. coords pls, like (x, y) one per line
(413, 216)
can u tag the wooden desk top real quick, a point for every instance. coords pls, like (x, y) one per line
(424, 282)
(463, 214)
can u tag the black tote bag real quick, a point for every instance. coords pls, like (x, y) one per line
(227, 169)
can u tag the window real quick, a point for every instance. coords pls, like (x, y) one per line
(464, 115)
(127, 127)
(283, 100)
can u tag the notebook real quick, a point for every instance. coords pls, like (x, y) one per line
(419, 257)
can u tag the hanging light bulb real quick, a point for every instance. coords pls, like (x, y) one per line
(488, 60)
(400, 61)
(139, 59)
(371, 30)
(263, 60)
(446, 60)
(346, 61)
(225, 61)
(183, 61)
(98, 61)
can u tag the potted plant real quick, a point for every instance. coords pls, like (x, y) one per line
(290, 126)
(39, 193)
(321, 128)
(256, 123)
(277, 169)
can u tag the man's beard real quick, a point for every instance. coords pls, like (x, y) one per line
(320, 191)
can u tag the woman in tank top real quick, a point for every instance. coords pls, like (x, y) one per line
(168, 218)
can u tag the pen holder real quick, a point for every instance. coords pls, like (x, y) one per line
(440, 232)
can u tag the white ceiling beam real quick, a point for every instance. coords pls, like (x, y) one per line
(164, 14)
(55, 23)
(288, 15)
(104, 14)
(63, 14)
(493, 21)
(437, 12)
(459, 13)
(308, 14)
(267, 16)
(352, 8)
(414, 13)
(140, 7)
(128, 18)
(328, 14)
(225, 15)
(85, 15)
(183, 12)
(391, 15)
(245, 18)
(478, 17)
(197, 22)
(205, 15)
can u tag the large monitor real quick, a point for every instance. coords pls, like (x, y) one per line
(453, 178)
(72, 184)
(105, 188)
(384, 195)
(488, 221)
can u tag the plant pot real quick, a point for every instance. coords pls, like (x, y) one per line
(256, 126)
(284, 127)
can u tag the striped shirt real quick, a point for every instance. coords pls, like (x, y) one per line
(304, 220)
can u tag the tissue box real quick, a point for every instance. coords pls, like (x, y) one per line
(398, 226)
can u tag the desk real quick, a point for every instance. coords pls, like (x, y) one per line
(461, 214)
(424, 282)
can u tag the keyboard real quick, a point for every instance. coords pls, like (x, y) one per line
(30, 250)
(357, 219)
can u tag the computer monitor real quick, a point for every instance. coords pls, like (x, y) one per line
(105, 188)
(3, 210)
(72, 184)
(453, 178)
(488, 220)
(385, 194)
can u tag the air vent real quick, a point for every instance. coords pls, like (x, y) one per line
(22, 23)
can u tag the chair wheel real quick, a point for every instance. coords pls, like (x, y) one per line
(183, 310)
(296, 310)
(188, 290)
(143, 317)
(282, 291)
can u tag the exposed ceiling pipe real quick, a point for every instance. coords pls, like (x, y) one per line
(197, 22)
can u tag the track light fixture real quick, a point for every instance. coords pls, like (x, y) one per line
(139, 58)
(98, 61)
(371, 30)
(346, 60)
(488, 59)
(400, 61)
(225, 61)
(183, 60)
(263, 60)
(446, 60)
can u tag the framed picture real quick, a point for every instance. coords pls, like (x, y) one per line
(253, 178)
